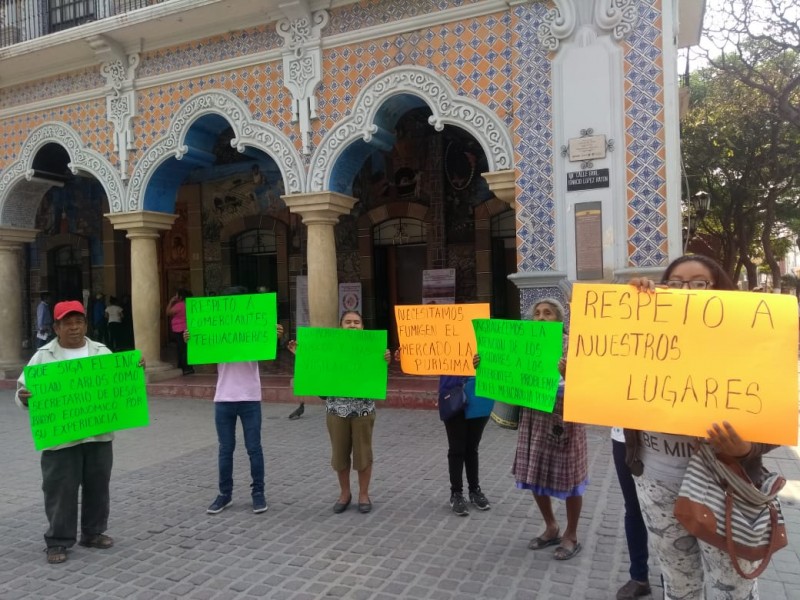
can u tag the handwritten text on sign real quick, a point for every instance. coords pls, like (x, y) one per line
(346, 363)
(519, 361)
(231, 328)
(75, 399)
(438, 339)
(676, 361)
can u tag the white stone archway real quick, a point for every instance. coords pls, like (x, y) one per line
(19, 209)
(447, 106)
(247, 133)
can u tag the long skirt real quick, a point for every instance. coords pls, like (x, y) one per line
(551, 457)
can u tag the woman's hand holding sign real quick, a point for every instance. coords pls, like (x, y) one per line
(726, 441)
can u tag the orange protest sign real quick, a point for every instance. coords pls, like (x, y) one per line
(438, 339)
(676, 361)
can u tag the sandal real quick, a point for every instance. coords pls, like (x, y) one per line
(56, 554)
(538, 543)
(562, 553)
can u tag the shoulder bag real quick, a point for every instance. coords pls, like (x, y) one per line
(719, 504)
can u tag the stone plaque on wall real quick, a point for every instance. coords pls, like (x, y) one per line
(588, 240)
(588, 147)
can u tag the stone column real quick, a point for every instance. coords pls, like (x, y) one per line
(144, 230)
(320, 212)
(12, 242)
(503, 185)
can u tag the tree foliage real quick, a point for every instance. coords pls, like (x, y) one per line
(757, 42)
(739, 147)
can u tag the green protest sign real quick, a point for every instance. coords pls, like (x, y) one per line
(75, 399)
(347, 363)
(519, 361)
(231, 328)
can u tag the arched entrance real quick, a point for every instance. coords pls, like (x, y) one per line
(62, 189)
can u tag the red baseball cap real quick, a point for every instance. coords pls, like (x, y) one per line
(62, 309)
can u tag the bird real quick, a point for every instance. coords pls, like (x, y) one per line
(298, 412)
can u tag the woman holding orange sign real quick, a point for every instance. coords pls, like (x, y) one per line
(692, 569)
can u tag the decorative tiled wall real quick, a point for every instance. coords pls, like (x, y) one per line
(66, 83)
(474, 54)
(533, 140)
(209, 50)
(87, 118)
(379, 12)
(645, 139)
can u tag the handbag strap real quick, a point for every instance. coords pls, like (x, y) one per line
(773, 539)
(735, 483)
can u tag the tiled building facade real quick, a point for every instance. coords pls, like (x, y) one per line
(342, 142)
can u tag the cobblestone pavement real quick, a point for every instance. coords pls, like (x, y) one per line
(410, 546)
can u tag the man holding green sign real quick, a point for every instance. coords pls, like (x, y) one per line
(76, 461)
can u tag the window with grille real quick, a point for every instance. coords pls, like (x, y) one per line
(63, 14)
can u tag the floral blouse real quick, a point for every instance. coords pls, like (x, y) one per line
(349, 407)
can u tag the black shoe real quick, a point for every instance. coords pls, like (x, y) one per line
(298, 412)
(188, 371)
(479, 500)
(340, 507)
(633, 589)
(459, 505)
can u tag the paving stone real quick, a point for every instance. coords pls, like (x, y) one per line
(411, 547)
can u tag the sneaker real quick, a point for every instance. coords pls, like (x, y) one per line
(259, 503)
(479, 500)
(220, 504)
(459, 505)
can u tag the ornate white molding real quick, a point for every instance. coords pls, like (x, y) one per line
(119, 72)
(15, 212)
(302, 62)
(447, 106)
(247, 132)
(357, 36)
(585, 20)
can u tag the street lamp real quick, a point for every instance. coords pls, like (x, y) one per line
(697, 210)
(701, 202)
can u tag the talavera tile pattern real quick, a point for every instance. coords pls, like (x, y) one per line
(644, 139)
(533, 138)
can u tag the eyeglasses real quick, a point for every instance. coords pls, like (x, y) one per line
(695, 284)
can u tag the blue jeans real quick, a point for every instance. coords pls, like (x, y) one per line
(225, 414)
(635, 528)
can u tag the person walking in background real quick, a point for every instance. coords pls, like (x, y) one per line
(114, 316)
(350, 423)
(99, 317)
(238, 396)
(44, 320)
(635, 528)
(691, 568)
(176, 311)
(551, 458)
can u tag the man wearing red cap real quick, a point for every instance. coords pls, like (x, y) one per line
(82, 463)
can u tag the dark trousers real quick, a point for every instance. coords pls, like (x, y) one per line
(177, 337)
(463, 438)
(86, 466)
(225, 415)
(114, 335)
(635, 529)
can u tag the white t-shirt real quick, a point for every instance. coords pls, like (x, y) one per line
(114, 313)
(617, 434)
(665, 456)
(72, 353)
(238, 382)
